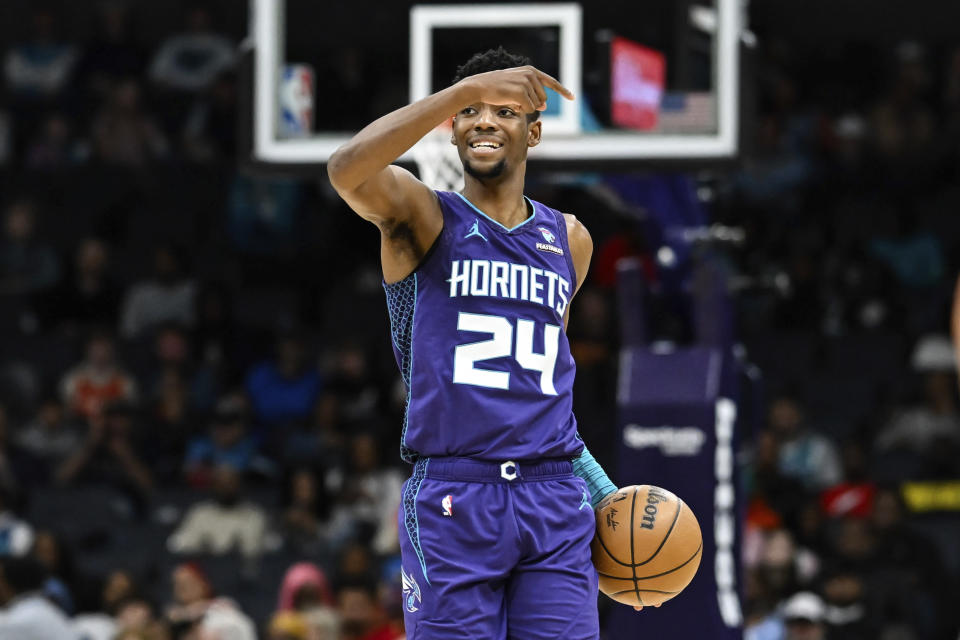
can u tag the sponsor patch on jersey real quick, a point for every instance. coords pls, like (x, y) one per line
(447, 504)
(542, 246)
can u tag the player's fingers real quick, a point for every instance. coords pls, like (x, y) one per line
(532, 101)
(541, 94)
(549, 81)
(638, 608)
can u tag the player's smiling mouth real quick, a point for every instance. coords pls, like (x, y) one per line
(484, 145)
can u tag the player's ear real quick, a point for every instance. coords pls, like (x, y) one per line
(453, 123)
(533, 133)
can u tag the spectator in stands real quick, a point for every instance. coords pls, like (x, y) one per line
(903, 127)
(113, 54)
(50, 437)
(123, 133)
(210, 129)
(172, 357)
(6, 137)
(55, 558)
(16, 534)
(88, 296)
(224, 621)
(136, 619)
(305, 507)
(111, 454)
(306, 591)
(355, 562)
(928, 430)
(288, 625)
(192, 60)
(98, 380)
(118, 586)
(319, 441)
(26, 612)
(192, 595)
(907, 556)
(42, 66)
(227, 443)
(215, 344)
(226, 523)
(351, 399)
(171, 426)
(803, 616)
(166, 297)
(848, 615)
(854, 495)
(283, 391)
(955, 308)
(55, 146)
(369, 499)
(761, 620)
(804, 454)
(913, 254)
(27, 266)
(361, 614)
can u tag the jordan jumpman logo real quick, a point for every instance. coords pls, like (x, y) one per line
(475, 231)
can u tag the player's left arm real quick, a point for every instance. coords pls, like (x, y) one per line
(585, 465)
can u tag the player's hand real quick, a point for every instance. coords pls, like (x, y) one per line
(520, 86)
(641, 608)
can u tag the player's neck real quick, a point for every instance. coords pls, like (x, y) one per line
(501, 199)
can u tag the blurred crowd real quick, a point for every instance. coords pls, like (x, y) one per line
(849, 193)
(199, 407)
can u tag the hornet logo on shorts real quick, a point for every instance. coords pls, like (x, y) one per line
(549, 245)
(411, 591)
(447, 504)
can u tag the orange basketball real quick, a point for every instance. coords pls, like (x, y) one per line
(647, 547)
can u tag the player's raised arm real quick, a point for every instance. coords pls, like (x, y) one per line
(360, 170)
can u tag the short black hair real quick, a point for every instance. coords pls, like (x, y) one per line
(492, 60)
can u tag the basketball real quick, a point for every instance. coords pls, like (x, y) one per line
(647, 547)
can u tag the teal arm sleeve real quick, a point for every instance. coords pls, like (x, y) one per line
(599, 485)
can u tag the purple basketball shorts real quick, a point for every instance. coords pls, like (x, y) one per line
(494, 551)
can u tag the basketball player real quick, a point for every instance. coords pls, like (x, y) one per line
(497, 517)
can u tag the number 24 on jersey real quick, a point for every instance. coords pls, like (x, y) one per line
(501, 345)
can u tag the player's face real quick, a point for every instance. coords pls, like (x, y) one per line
(493, 139)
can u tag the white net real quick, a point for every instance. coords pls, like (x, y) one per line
(437, 160)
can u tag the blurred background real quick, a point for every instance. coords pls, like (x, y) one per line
(199, 407)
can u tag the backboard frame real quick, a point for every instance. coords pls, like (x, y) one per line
(561, 145)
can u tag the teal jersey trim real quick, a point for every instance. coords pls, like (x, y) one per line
(410, 520)
(598, 483)
(475, 208)
(402, 307)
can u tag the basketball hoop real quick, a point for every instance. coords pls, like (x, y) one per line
(438, 162)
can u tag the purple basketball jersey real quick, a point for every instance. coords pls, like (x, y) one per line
(478, 335)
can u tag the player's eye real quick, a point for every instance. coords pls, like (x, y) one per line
(504, 113)
(468, 111)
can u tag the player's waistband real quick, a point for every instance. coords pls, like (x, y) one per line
(471, 470)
